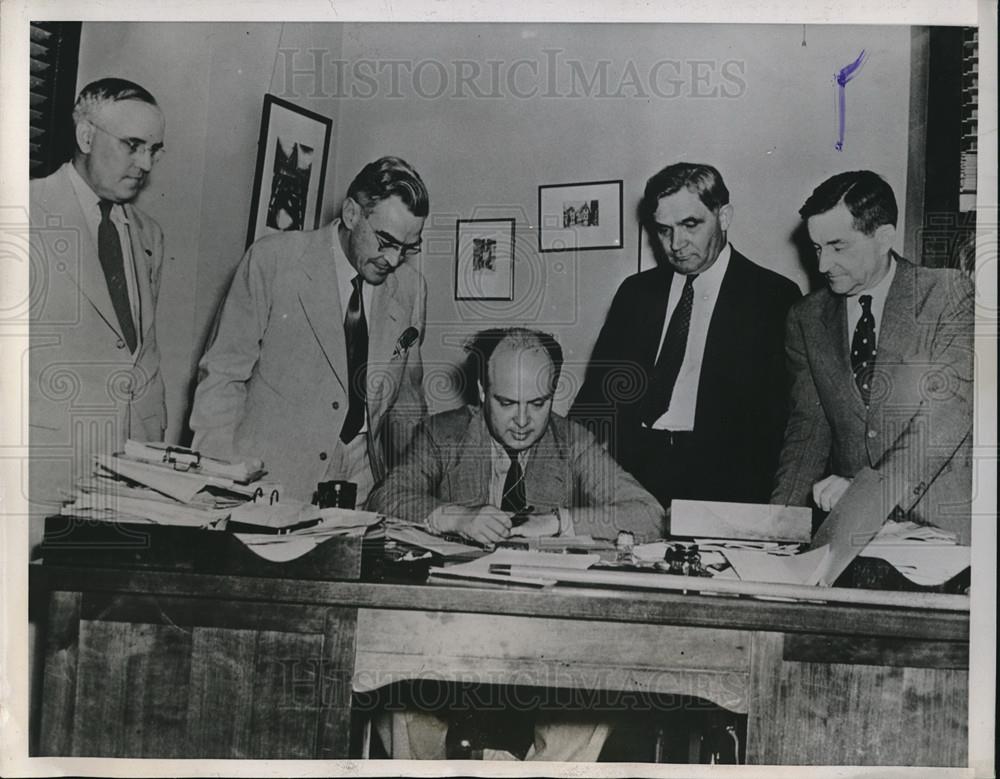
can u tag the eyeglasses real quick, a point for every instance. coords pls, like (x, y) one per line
(136, 147)
(387, 243)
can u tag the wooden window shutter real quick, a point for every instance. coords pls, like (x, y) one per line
(55, 50)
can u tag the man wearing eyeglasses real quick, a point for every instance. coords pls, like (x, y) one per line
(94, 365)
(314, 361)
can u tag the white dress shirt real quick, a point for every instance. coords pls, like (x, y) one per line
(879, 293)
(684, 400)
(90, 205)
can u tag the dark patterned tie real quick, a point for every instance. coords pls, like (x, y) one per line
(109, 249)
(668, 366)
(356, 333)
(514, 499)
(863, 349)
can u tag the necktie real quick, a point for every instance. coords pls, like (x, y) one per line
(863, 349)
(356, 333)
(109, 249)
(668, 366)
(514, 499)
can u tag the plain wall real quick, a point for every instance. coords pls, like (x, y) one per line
(752, 100)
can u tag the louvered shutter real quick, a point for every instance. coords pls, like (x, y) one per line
(55, 48)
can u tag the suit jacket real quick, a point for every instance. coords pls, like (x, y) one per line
(451, 462)
(273, 380)
(87, 393)
(917, 430)
(742, 389)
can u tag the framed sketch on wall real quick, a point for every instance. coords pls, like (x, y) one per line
(292, 154)
(580, 216)
(484, 259)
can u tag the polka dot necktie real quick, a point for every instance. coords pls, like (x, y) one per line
(863, 349)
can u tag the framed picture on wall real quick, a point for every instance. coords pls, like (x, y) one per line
(292, 154)
(580, 216)
(484, 259)
(647, 259)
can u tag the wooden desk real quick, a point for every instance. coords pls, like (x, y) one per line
(151, 664)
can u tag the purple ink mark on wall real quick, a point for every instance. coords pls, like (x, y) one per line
(844, 75)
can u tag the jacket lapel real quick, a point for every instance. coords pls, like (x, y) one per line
(89, 275)
(651, 332)
(544, 474)
(384, 330)
(896, 328)
(319, 295)
(833, 353)
(142, 263)
(474, 465)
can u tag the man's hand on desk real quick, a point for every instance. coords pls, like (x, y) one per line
(538, 526)
(827, 492)
(486, 525)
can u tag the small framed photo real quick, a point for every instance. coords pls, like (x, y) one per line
(580, 216)
(647, 255)
(292, 154)
(484, 259)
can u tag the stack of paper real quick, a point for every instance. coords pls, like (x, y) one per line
(178, 488)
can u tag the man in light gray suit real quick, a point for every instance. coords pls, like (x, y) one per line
(478, 471)
(314, 364)
(94, 366)
(511, 467)
(882, 369)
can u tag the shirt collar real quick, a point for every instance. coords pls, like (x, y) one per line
(89, 200)
(501, 460)
(881, 290)
(345, 271)
(718, 268)
(711, 279)
(87, 197)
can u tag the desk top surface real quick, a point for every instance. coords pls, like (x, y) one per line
(720, 611)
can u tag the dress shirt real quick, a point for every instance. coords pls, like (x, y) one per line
(683, 402)
(879, 293)
(498, 477)
(345, 275)
(90, 205)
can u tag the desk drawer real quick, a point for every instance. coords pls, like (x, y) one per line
(708, 663)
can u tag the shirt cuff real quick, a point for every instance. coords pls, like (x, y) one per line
(565, 522)
(434, 520)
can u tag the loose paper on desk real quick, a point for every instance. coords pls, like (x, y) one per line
(480, 569)
(414, 535)
(280, 548)
(854, 521)
(928, 556)
(757, 566)
(740, 521)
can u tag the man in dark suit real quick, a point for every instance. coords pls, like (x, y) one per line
(882, 363)
(687, 383)
(94, 364)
